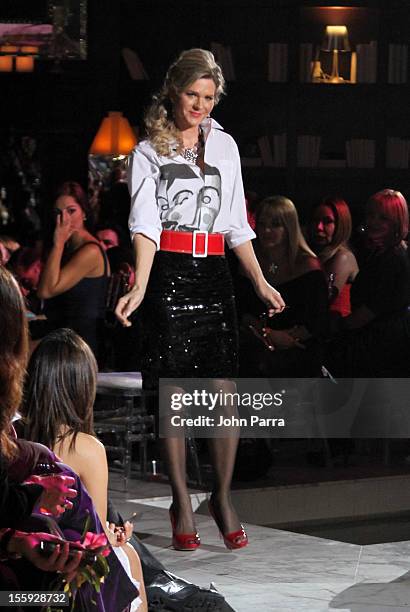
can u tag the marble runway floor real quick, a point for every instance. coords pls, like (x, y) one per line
(279, 570)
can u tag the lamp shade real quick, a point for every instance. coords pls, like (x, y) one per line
(25, 63)
(336, 38)
(114, 137)
(6, 63)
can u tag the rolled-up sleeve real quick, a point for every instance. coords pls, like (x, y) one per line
(239, 231)
(144, 217)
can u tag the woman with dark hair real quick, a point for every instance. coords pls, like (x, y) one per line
(74, 278)
(26, 495)
(58, 409)
(58, 412)
(17, 502)
(329, 234)
(46, 494)
(375, 337)
(187, 199)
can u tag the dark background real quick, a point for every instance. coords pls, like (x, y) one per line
(63, 109)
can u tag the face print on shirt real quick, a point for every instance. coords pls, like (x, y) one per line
(186, 201)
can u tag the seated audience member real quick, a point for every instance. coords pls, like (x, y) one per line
(74, 278)
(329, 234)
(288, 344)
(26, 495)
(251, 200)
(58, 411)
(122, 344)
(8, 246)
(110, 235)
(26, 266)
(19, 500)
(375, 337)
(4, 255)
(64, 420)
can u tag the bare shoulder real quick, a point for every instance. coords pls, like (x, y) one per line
(88, 258)
(91, 248)
(307, 263)
(88, 446)
(344, 258)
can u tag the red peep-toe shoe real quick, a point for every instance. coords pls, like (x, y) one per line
(234, 539)
(183, 541)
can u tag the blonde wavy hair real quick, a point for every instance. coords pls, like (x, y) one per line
(190, 66)
(279, 210)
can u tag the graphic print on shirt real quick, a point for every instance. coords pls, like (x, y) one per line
(187, 202)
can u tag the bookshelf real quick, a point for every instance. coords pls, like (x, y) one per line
(295, 136)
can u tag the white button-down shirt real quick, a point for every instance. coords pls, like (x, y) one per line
(172, 193)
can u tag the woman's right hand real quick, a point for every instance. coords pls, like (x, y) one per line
(62, 559)
(128, 303)
(63, 230)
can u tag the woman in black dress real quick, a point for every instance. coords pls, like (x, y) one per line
(74, 278)
(187, 200)
(289, 344)
(375, 337)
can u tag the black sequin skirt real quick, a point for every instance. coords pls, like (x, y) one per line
(189, 319)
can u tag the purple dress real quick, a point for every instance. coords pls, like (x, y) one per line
(117, 591)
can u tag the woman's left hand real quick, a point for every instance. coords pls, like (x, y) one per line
(119, 535)
(55, 499)
(270, 297)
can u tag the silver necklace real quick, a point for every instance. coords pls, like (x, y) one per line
(191, 153)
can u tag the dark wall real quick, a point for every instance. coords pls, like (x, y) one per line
(62, 106)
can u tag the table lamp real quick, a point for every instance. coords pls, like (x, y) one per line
(336, 40)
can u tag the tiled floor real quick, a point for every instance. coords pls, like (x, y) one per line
(279, 570)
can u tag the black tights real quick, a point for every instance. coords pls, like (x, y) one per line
(222, 454)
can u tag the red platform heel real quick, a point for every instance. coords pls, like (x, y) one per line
(234, 539)
(183, 541)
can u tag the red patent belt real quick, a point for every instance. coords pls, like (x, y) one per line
(197, 243)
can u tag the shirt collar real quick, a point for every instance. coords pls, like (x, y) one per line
(209, 124)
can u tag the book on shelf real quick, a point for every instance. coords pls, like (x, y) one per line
(277, 62)
(398, 64)
(266, 151)
(308, 151)
(367, 62)
(250, 155)
(305, 62)
(134, 64)
(223, 55)
(279, 150)
(251, 162)
(332, 163)
(360, 153)
(397, 152)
